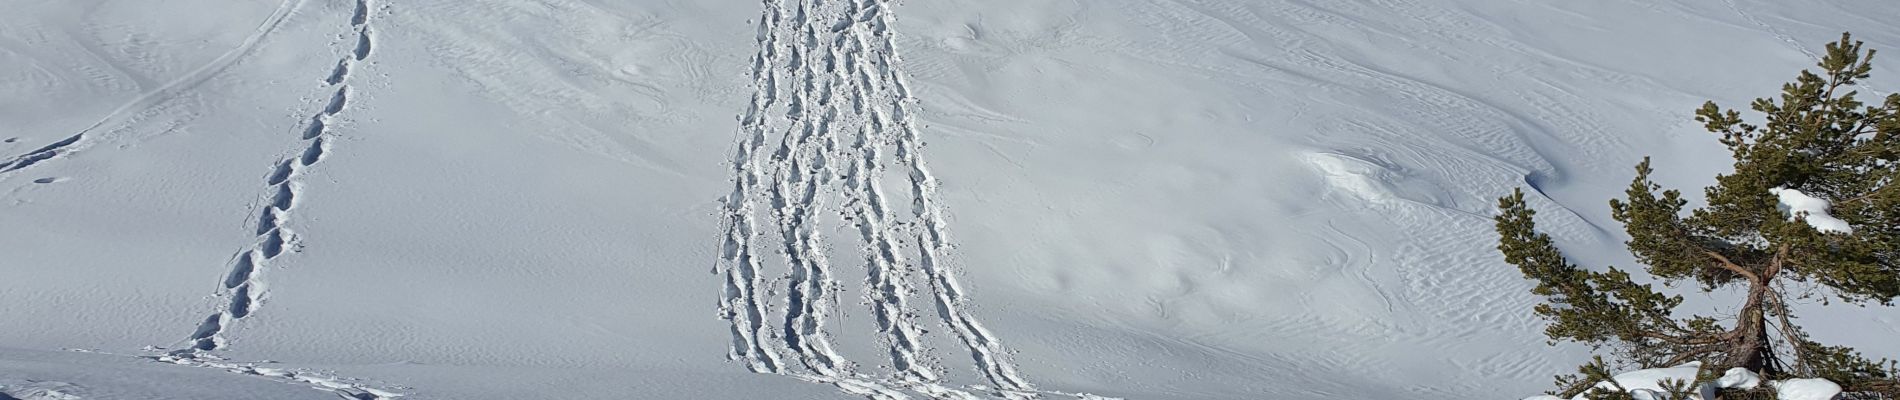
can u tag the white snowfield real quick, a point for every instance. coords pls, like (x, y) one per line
(569, 199)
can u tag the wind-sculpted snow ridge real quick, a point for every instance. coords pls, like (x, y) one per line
(830, 93)
(92, 134)
(244, 287)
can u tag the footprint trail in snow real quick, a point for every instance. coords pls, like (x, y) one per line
(832, 113)
(243, 289)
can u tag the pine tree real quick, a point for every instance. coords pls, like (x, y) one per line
(1819, 139)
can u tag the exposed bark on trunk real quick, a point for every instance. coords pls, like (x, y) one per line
(1750, 346)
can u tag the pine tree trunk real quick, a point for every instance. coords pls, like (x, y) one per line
(1750, 347)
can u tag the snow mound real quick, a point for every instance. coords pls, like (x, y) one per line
(1814, 209)
(1806, 389)
(1649, 382)
(1374, 181)
(1739, 379)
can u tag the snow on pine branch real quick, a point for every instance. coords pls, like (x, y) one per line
(1814, 209)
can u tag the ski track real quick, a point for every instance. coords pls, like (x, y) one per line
(1793, 43)
(348, 388)
(243, 289)
(829, 92)
(1770, 29)
(87, 137)
(344, 387)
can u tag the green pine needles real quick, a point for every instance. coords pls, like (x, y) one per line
(1819, 139)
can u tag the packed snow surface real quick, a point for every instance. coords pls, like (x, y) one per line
(1809, 208)
(1151, 199)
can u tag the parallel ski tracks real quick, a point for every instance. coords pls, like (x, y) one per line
(829, 93)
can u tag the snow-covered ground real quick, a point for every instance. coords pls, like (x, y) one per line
(1154, 199)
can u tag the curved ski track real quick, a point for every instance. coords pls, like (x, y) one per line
(244, 287)
(829, 92)
(86, 137)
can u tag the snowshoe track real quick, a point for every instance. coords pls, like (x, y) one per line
(828, 91)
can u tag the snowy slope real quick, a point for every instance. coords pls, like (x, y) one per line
(1130, 198)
